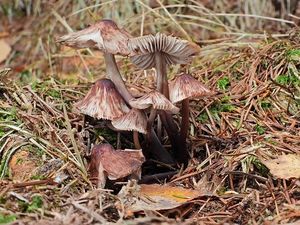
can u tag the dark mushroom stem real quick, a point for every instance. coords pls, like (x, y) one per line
(113, 73)
(136, 140)
(185, 111)
(161, 73)
(184, 128)
(178, 144)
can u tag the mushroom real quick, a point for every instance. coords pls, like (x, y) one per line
(159, 51)
(103, 101)
(182, 88)
(108, 38)
(156, 100)
(106, 162)
(135, 121)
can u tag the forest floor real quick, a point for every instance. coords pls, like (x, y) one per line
(244, 142)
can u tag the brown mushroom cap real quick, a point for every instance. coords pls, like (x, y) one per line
(174, 50)
(103, 35)
(154, 99)
(185, 86)
(115, 164)
(103, 101)
(135, 120)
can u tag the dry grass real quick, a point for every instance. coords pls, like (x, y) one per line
(255, 115)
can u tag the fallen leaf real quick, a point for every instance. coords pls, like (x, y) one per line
(5, 50)
(22, 166)
(156, 197)
(285, 166)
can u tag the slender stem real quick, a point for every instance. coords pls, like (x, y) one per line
(118, 140)
(161, 71)
(136, 140)
(151, 119)
(113, 73)
(185, 110)
(158, 150)
(159, 128)
(183, 152)
(178, 144)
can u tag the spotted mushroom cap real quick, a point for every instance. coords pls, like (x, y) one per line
(115, 164)
(103, 35)
(154, 99)
(103, 101)
(176, 51)
(185, 86)
(135, 120)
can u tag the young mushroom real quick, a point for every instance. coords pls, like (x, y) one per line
(106, 162)
(155, 99)
(182, 88)
(108, 38)
(103, 101)
(135, 121)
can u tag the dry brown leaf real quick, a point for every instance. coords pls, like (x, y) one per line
(285, 166)
(5, 50)
(156, 197)
(22, 166)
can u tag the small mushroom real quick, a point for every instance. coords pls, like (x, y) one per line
(156, 100)
(185, 86)
(106, 162)
(108, 38)
(135, 121)
(103, 101)
(159, 51)
(182, 88)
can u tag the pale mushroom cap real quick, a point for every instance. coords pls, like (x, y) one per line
(154, 99)
(116, 163)
(104, 36)
(135, 120)
(103, 101)
(185, 86)
(174, 50)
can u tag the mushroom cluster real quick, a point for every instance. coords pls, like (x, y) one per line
(109, 99)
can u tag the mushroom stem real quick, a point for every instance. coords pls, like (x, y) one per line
(136, 140)
(183, 154)
(113, 73)
(180, 151)
(161, 73)
(156, 149)
(151, 119)
(185, 111)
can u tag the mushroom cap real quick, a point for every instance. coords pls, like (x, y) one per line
(115, 163)
(174, 50)
(134, 120)
(154, 99)
(185, 86)
(103, 35)
(103, 101)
